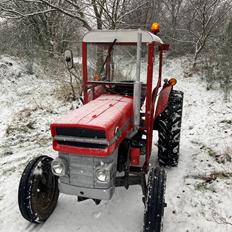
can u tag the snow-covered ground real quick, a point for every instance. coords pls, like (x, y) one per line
(199, 190)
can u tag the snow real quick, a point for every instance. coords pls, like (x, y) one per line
(199, 190)
(38, 171)
(2, 20)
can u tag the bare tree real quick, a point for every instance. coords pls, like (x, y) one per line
(190, 23)
(34, 21)
(172, 9)
(204, 18)
(224, 60)
(89, 13)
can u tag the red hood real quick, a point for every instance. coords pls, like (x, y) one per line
(106, 113)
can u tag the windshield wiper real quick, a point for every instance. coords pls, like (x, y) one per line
(108, 55)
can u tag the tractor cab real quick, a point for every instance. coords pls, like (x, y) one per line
(110, 62)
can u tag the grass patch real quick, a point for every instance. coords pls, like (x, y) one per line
(227, 121)
(212, 176)
(223, 157)
(206, 180)
(203, 186)
(211, 152)
(6, 151)
(22, 123)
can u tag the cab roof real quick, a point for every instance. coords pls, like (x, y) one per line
(122, 36)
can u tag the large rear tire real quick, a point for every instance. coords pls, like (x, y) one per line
(155, 201)
(169, 127)
(38, 190)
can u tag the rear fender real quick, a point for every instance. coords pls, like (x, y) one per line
(162, 101)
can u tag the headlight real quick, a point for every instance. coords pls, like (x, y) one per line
(103, 172)
(58, 166)
(102, 175)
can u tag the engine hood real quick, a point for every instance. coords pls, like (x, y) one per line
(95, 128)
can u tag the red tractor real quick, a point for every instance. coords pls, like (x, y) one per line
(107, 142)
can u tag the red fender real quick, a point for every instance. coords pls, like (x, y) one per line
(163, 100)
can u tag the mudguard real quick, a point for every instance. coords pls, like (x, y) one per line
(162, 101)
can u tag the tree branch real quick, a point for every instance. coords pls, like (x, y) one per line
(80, 18)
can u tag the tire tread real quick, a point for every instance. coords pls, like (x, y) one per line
(169, 127)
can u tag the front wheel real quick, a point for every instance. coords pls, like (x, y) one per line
(155, 201)
(38, 190)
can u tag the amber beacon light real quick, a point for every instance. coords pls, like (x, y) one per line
(172, 81)
(155, 27)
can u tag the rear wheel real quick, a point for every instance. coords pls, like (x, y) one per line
(169, 126)
(38, 190)
(155, 201)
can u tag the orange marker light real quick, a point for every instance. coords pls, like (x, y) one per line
(172, 81)
(155, 27)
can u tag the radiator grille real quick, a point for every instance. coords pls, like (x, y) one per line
(78, 144)
(71, 132)
(80, 132)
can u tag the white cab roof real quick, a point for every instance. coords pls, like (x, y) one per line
(122, 36)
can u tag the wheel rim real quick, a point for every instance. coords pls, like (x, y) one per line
(43, 190)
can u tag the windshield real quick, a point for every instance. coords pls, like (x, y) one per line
(114, 62)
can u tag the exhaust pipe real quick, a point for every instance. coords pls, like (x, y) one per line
(137, 84)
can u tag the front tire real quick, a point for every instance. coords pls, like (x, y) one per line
(38, 190)
(155, 200)
(169, 127)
